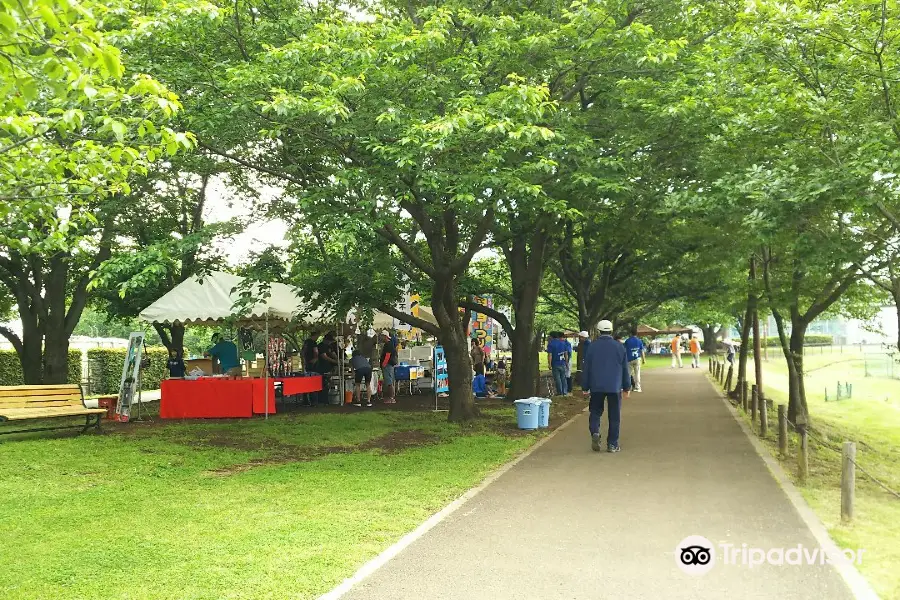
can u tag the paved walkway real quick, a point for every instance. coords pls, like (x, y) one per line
(569, 523)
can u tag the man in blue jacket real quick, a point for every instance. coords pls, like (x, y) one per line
(605, 376)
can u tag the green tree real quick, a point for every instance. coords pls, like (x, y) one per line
(74, 128)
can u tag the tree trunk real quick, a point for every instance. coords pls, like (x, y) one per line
(710, 341)
(526, 357)
(753, 305)
(798, 411)
(744, 350)
(459, 371)
(896, 295)
(525, 257)
(56, 359)
(757, 357)
(30, 356)
(172, 336)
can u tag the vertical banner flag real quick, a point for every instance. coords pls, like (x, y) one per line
(441, 378)
(482, 326)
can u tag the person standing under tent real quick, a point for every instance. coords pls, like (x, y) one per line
(636, 354)
(694, 344)
(605, 377)
(477, 354)
(556, 358)
(675, 345)
(176, 365)
(310, 355)
(328, 359)
(225, 351)
(362, 375)
(388, 361)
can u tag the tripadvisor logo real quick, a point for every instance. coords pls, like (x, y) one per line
(696, 555)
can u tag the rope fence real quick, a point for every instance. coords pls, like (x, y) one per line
(757, 408)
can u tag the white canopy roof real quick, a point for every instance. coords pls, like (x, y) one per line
(385, 321)
(211, 299)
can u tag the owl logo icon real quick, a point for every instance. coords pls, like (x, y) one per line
(695, 555)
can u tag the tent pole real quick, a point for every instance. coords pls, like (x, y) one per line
(267, 366)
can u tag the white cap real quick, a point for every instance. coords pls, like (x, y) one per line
(370, 333)
(605, 326)
(385, 332)
(583, 334)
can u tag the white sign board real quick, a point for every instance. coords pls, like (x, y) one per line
(130, 372)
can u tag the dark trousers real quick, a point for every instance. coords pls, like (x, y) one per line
(323, 395)
(614, 401)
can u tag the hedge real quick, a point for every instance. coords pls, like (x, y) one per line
(809, 340)
(105, 369)
(11, 368)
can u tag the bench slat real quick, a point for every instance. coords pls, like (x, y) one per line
(21, 414)
(36, 391)
(41, 405)
(39, 399)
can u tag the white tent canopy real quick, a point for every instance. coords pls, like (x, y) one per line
(211, 299)
(385, 321)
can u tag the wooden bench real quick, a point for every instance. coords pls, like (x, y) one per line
(29, 402)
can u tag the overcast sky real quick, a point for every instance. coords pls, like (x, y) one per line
(261, 232)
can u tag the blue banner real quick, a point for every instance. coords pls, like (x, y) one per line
(441, 379)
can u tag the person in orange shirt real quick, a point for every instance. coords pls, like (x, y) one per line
(675, 345)
(695, 352)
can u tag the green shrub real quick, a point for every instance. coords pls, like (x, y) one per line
(105, 369)
(809, 340)
(11, 368)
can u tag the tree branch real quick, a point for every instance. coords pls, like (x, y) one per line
(491, 312)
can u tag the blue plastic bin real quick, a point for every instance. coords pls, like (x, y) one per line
(527, 413)
(544, 412)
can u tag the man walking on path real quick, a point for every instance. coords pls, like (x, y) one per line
(634, 346)
(605, 376)
(676, 351)
(695, 351)
(556, 358)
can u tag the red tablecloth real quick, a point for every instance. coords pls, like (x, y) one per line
(207, 398)
(291, 386)
(211, 398)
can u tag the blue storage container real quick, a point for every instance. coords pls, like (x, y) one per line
(527, 413)
(401, 372)
(544, 411)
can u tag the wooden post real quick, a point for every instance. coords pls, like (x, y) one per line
(803, 456)
(848, 481)
(744, 395)
(754, 403)
(763, 417)
(728, 377)
(709, 363)
(782, 429)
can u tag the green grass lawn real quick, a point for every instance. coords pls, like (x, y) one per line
(231, 509)
(871, 418)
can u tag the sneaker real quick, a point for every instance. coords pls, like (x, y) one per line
(369, 405)
(638, 390)
(357, 405)
(613, 449)
(595, 442)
